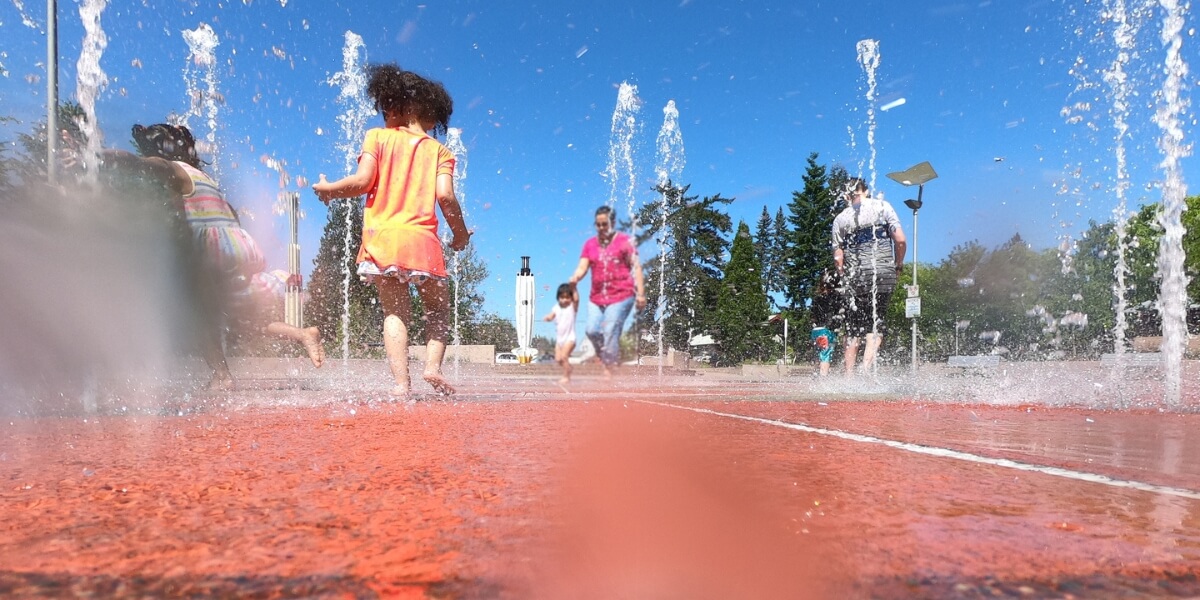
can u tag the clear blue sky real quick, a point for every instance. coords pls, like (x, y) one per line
(758, 84)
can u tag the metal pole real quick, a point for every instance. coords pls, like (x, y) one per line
(785, 340)
(914, 321)
(920, 190)
(51, 91)
(293, 308)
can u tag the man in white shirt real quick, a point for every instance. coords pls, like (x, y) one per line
(868, 249)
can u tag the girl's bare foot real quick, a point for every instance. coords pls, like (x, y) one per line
(564, 381)
(400, 392)
(311, 338)
(439, 383)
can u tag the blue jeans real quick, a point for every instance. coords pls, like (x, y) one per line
(604, 328)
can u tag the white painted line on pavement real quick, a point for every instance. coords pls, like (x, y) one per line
(955, 454)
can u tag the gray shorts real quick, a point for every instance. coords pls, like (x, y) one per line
(867, 303)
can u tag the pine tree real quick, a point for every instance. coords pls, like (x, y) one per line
(811, 214)
(467, 272)
(694, 245)
(327, 301)
(781, 239)
(740, 329)
(764, 247)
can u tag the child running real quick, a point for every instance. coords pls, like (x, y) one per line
(563, 316)
(228, 268)
(405, 174)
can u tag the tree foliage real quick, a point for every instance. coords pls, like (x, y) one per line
(693, 234)
(740, 324)
(810, 214)
(333, 275)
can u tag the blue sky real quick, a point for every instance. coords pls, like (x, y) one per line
(759, 85)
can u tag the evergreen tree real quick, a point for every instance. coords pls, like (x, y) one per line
(327, 300)
(777, 271)
(467, 272)
(764, 247)
(811, 213)
(693, 251)
(740, 328)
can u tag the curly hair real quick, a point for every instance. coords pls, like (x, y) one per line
(404, 92)
(172, 142)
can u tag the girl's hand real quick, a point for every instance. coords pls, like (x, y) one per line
(460, 241)
(321, 189)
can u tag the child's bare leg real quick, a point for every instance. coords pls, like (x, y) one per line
(435, 296)
(397, 310)
(562, 354)
(871, 351)
(824, 368)
(309, 337)
(851, 354)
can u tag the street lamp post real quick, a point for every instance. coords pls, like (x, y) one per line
(51, 91)
(293, 312)
(918, 175)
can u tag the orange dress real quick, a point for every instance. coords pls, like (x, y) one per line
(400, 225)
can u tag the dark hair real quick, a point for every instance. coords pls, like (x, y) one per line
(856, 184)
(170, 142)
(395, 90)
(565, 290)
(607, 210)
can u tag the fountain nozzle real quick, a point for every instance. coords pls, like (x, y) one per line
(525, 266)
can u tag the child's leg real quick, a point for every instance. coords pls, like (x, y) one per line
(562, 353)
(309, 337)
(851, 354)
(824, 368)
(871, 350)
(435, 295)
(397, 311)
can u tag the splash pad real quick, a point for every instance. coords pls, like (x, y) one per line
(717, 484)
(1014, 480)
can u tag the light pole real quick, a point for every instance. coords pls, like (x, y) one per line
(918, 175)
(51, 91)
(293, 311)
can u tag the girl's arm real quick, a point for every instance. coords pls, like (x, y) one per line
(452, 211)
(549, 317)
(356, 184)
(575, 298)
(170, 174)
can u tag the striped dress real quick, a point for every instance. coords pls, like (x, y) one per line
(218, 234)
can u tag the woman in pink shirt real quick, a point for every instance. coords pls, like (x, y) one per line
(616, 276)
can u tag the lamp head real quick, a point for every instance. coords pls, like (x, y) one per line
(915, 205)
(918, 174)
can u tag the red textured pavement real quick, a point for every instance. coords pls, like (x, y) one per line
(597, 497)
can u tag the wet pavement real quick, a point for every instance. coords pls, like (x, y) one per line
(632, 491)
